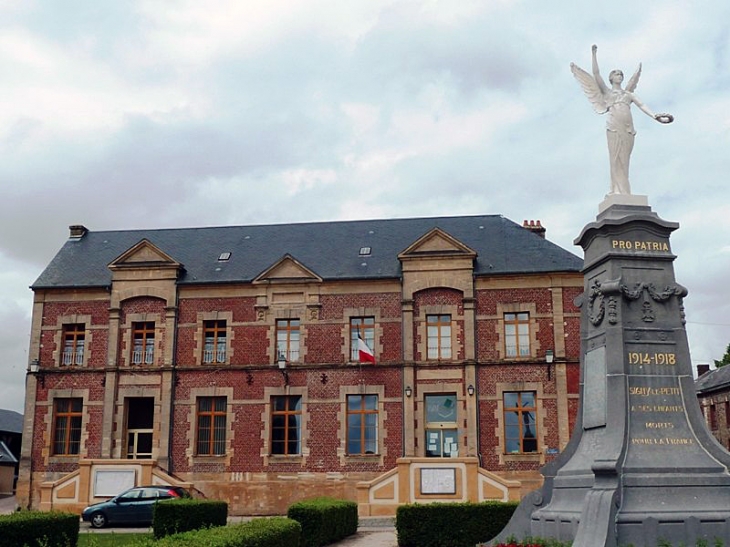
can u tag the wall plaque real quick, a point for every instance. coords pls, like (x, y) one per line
(108, 483)
(594, 391)
(438, 480)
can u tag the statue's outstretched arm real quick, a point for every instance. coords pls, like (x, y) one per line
(661, 118)
(597, 73)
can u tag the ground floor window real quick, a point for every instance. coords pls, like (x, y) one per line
(362, 424)
(286, 425)
(67, 415)
(520, 421)
(211, 426)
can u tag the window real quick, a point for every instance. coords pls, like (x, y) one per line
(441, 433)
(361, 327)
(287, 339)
(67, 415)
(439, 336)
(520, 433)
(362, 424)
(713, 417)
(286, 425)
(143, 345)
(73, 344)
(211, 433)
(517, 334)
(214, 348)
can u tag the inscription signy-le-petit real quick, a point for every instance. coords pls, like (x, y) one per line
(647, 391)
(624, 244)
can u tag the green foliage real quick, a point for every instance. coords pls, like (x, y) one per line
(111, 539)
(263, 532)
(725, 358)
(39, 529)
(324, 520)
(182, 515)
(451, 524)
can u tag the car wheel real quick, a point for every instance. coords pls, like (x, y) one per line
(98, 520)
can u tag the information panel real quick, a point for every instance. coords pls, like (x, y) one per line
(438, 480)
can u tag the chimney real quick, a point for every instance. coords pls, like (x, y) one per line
(702, 369)
(77, 231)
(535, 227)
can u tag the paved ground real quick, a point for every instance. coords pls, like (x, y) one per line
(371, 533)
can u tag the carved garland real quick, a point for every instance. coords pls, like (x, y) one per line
(598, 291)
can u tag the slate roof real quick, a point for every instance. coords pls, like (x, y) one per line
(330, 249)
(11, 421)
(713, 380)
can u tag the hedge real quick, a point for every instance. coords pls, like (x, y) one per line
(183, 515)
(324, 520)
(39, 528)
(451, 524)
(260, 532)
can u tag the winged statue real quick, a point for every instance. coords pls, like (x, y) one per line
(616, 102)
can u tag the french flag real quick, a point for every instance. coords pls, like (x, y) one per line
(365, 353)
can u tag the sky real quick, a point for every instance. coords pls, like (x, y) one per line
(156, 114)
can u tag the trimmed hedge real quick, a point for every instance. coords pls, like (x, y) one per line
(182, 515)
(324, 520)
(36, 528)
(451, 524)
(260, 532)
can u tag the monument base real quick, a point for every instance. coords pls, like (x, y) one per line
(623, 199)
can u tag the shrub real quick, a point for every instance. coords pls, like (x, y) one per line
(182, 515)
(324, 520)
(261, 532)
(36, 528)
(451, 524)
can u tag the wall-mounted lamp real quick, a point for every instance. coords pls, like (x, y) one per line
(470, 390)
(409, 391)
(281, 361)
(549, 358)
(34, 367)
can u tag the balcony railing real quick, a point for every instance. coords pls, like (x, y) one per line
(73, 357)
(143, 357)
(218, 356)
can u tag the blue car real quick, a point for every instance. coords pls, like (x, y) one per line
(133, 506)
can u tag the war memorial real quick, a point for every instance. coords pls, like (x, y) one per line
(641, 467)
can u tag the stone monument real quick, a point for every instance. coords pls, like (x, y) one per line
(641, 466)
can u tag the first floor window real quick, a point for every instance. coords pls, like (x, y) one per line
(143, 345)
(361, 328)
(438, 329)
(73, 344)
(520, 422)
(286, 425)
(441, 432)
(517, 334)
(287, 339)
(362, 424)
(214, 349)
(211, 435)
(67, 414)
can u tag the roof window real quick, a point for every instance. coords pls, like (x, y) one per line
(224, 256)
(365, 251)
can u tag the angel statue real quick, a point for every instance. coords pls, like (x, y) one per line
(619, 125)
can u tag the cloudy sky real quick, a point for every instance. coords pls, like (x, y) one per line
(154, 113)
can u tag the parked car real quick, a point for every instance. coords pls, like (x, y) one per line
(133, 506)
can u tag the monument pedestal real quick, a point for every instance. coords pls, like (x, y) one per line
(641, 466)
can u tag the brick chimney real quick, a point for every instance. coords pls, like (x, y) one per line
(77, 231)
(702, 369)
(534, 226)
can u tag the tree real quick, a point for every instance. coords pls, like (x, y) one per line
(725, 358)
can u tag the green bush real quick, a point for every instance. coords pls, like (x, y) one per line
(183, 515)
(324, 520)
(451, 524)
(39, 528)
(260, 532)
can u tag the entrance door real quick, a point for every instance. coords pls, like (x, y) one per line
(442, 439)
(140, 419)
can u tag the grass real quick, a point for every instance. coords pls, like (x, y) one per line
(110, 539)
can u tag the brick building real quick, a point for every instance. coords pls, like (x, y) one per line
(713, 393)
(229, 359)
